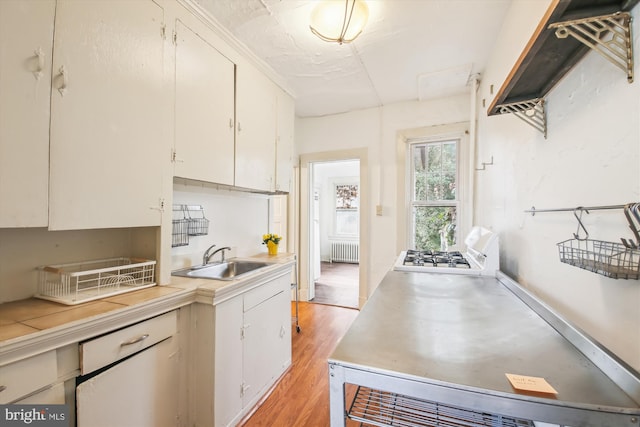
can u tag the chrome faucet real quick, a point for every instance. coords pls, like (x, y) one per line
(207, 256)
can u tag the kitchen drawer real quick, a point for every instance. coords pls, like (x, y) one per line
(50, 396)
(102, 351)
(264, 292)
(27, 376)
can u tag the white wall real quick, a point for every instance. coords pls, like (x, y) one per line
(591, 157)
(377, 131)
(236, 219)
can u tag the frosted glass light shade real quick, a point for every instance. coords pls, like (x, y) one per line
(339, 21)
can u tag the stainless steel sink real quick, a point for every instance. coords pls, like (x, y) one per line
(221, 271)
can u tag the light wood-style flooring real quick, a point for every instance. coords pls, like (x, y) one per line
(301, 398)
(338, 284)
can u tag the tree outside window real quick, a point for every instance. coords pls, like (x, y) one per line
(434, 199)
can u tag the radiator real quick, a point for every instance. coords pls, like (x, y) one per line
(345, 252)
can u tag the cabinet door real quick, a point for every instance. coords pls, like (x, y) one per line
(228, 362)
(138, 392)
(109, 149)
(255, 130)
(284, 143)
(267, 342)
(204, 97)
(26, 40)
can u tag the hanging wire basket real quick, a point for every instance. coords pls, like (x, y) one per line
(198, 224)
(609, 259)
(180, 231)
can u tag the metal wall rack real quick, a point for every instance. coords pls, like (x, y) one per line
(188, 220)
(610, 259)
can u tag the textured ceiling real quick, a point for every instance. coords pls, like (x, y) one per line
(409, 50)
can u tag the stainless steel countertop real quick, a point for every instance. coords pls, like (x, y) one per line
(466, 332)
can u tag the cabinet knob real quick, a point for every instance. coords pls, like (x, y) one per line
(40, 57)
(65, 80)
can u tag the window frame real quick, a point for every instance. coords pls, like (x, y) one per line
(334, 226)
(413, 203)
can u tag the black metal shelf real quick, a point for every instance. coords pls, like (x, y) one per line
(547, 58)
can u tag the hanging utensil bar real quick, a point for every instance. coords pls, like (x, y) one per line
(533, 209)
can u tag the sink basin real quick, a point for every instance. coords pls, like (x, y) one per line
(221, 271)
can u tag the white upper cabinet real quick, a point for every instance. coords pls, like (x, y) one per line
(255, 130)
(109, 148)
(204, 108)
(284, 142)
(26, 40)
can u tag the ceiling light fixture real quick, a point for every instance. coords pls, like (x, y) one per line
(339, 21)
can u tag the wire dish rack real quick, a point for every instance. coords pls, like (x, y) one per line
(606, 258)
(80, 282)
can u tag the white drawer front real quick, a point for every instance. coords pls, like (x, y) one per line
(50, 396)
(264, 292)
(110, 348)
(26, 376)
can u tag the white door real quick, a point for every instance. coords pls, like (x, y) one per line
(204, 110)
(138, 392)
(109, 146)
(255, 130)
(26, 43)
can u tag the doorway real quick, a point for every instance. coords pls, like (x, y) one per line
(333, 194)
(335, 235)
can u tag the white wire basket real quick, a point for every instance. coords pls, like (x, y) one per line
(606, 258)
(80, 282)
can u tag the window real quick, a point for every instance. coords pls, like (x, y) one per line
(434, 198)
(346, 215)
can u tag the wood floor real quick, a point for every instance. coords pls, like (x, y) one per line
(338, 284)
(301, 399)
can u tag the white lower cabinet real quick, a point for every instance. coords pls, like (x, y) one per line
(140, 390)
(242, 345)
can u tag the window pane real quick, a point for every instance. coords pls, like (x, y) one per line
(448, 186)
(435, 227)
(434, 158)
(449, 157)
(347, 222)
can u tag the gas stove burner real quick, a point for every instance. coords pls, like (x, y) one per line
(435, 259)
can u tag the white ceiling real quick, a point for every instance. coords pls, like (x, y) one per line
(409, 50)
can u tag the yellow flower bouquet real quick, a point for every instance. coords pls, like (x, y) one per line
(271, 240)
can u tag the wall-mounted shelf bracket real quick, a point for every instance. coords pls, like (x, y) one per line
(531, 111)
(609, 35)
(484, 165)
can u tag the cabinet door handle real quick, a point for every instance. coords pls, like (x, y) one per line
(282, 331)
(2, 388)
(135, 340)
(40, 57)
(65, 80)
(230, 123)
(239, 127)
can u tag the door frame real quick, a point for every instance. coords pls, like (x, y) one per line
(306, 193)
